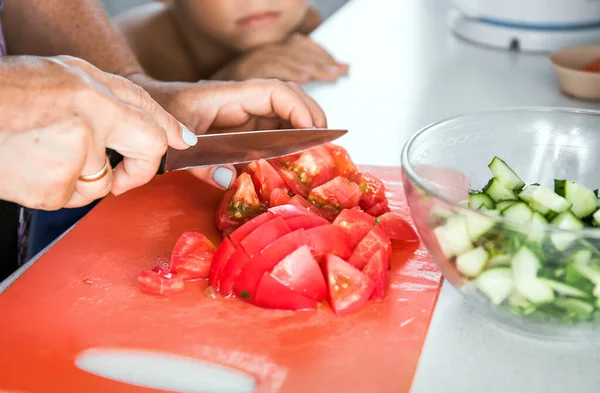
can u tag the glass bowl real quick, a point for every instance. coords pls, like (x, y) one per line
(531, 276)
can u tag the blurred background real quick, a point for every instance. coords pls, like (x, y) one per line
(326, 7)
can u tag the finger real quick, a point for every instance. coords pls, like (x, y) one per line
(286, 70)
(221, 177)
(318, 115)
(87, 192)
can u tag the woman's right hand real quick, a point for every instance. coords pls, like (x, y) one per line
(58, 116)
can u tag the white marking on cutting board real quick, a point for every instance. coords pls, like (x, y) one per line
(409, 320)
(164, 371)
(413, 287)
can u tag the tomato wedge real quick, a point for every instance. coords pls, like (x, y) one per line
(328, 239)
(373, 191)
(279, 197)
(376, 269)
(374, 241)
(222, 256)
(338, 193)
(343, 163)
(292, 182)
(265, 178)
(314, 167)
(301, 273)
(349, 288)
(192, 256)
(239, 204)
(247, 281)
(240, 233)
(159, 282)
(356, 224)
(232, 270)
(328, 214)
(264, 235)
(272, 294)
(289, 211)
(305, 222)
(397, 228)
(284, 246)
(379, 209)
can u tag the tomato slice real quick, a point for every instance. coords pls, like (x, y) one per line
(247, 281)
(239, 205)
(192, 256)
(264, 235)
(301, 273)
(328, 214)
(379, 209)
(232, 270)
(374, 241)
(328, 239)
(292, 182)
(373, 191)
(240, 233)
(289, 211)
(594, 66)
(284, 246)
(343, 163)
(397, 228)
(339, 193)
(349, 288)
(265, 178)
(376, 269)
(356, 224)
(305, 222)
(159, 282)
(272, 294)
(279, 197)
(222, 256)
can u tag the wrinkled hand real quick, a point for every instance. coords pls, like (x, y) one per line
(299, 59)
(58, 116)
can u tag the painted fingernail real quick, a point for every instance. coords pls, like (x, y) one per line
(332, 69)
(188, 136)
(223, 176)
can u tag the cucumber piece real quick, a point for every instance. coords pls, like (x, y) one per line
(499, 260)
(580, 257)
(505, 175)
(596, 218)
(525, 266)
(479, 200)
(498, 192)
(478, 225)
(544, 200)
(583, 199)
(538, 231)
(590, 272)
(577, 310)
(504, 204)
(517, 304)
(564, 289)
(496, 284)
(518, 211)
(471, 263)
(575, 278)
(453, 236)
(566, 221)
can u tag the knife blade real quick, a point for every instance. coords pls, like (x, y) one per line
(244, 147)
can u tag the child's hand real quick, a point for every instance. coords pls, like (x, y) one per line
(298, 59)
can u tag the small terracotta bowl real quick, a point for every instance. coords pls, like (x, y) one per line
(569, 63)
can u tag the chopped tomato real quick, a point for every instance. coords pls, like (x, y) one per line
(265, 178)
(328, 214)
(300, 272)
(397, 228)
(328, 239)
(192, 256)
(264, 235)
(240, 204)
(279, 197)
(314, 167)
(343, 163)
(284, 246)
(222, 256)
(247, 281)
(240, 233)
(292, 181)
(349, 288)
(159, 282)
(379, 209)
(377, 270)
(593, 66)
(288, 211)
(272, 294)
(373, 191)
(374, 241)
(339, 193)
(232, 270)
(356, 224)
(305, 222)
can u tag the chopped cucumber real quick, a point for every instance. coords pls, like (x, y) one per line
(499, 260)
(563, 289)
(518, 211)
(498, 192)
(567, 221)
(478, 225)
(479, 200)
(453, 236)
(596, 218)
(471, 263)
(577, 309)
(544, 200)
(583, 199)
(575, 278)
(525, 265)
(539, 223)
(504, 204)
(496, 284)
(505, 175)
(517, 304)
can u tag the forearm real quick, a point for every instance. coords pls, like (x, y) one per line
(79, 28)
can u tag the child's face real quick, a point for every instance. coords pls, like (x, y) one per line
(245, 24)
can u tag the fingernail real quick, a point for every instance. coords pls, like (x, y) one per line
(332, 69)
(222, 176)
(188, 136)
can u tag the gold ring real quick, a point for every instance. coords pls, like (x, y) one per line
(98, 175)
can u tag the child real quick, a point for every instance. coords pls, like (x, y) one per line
(190, 40)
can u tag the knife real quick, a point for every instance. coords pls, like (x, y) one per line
(243, 147)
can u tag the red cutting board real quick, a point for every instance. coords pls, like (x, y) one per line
(82, 294)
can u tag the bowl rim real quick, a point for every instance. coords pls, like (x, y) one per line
(586, 232)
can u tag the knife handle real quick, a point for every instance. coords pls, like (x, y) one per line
(114, 158)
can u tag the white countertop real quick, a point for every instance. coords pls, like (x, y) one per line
(408, 70)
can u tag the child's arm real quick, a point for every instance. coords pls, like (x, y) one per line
(311, 21)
